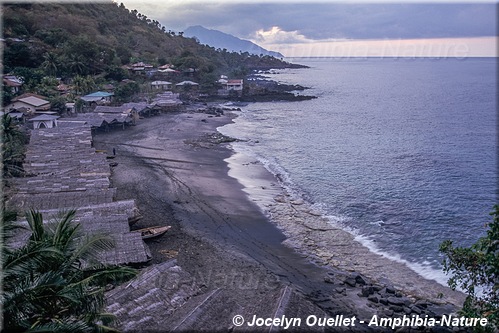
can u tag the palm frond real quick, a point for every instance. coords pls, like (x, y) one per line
(28, 259)
(35, 221)
(64, 325)
(91, 246)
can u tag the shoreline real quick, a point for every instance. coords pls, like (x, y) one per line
(326, 243)
(182, 176)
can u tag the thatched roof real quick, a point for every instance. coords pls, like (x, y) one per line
(148, 300)
(67, 173)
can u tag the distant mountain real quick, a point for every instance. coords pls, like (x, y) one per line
(219, 39)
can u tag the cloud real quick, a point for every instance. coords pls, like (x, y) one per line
(276, 35)
(299, 21)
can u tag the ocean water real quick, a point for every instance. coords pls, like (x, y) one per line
(400, 152)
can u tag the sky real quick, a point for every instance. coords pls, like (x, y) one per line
(333, 28)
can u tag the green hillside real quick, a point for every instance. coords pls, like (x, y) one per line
(97, 39)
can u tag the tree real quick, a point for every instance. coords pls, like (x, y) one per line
(83, 84)
(76, 63)
(13, 146)
(58, 104)
(45, 285)
(125, 92)
(50, 63)
(475, 270)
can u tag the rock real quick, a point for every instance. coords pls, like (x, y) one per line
(362, 280)
(297, 202)
(390, 290)
(373, 298)
(280, 199)
(366, 291)
(350, 281)
(421, 304)
(396, 301)
(340, 290)
(388, 312)
(329, 279)
(415, 309)
(396, 308)
(377, 287)
(407, 310)
(383, 301)
(440, 310)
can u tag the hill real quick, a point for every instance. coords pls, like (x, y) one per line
(97, 39)
(223, 40)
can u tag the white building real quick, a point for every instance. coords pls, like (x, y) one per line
(44, 121)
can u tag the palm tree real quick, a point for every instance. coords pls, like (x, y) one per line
(76, 63)
(55, 282)
(13, 146)
(50, 63)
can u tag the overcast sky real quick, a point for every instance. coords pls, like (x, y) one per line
(289, 25)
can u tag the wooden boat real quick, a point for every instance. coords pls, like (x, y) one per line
(152, 232)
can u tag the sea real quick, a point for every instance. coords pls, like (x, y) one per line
(400, 152)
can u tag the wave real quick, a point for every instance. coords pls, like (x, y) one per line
(285, 181)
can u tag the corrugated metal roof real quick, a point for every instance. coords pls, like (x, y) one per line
(35, 101)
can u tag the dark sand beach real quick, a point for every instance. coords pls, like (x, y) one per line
(246, 239)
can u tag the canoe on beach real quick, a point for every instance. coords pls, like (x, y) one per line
(152, 232)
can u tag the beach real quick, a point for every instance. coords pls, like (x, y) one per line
(237, 230)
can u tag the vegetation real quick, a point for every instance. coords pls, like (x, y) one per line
(475, 270)
(96, 39)
(13, 146)
(55, 282)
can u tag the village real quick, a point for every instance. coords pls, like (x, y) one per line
(99, 108)
(62, 170)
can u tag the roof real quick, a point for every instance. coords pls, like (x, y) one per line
(168, 70)
(67, 172)
(16, 115)
(187, 83)
(91, 98)
(99, 94)
(17, 98)
(44, 117)
(11, 82)
(137, 106)
(160, 83)
(34, 101)
(110, 109)
(240, 81)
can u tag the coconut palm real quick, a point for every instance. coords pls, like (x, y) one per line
(55, 282)
(50, 63)
(13, 146)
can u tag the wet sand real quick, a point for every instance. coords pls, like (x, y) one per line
(176, 169)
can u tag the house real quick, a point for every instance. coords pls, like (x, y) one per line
(99, 98)
(168, 71)
(29, 104)
(44, 121)
(230, 85)
(108, 87)
(63, 88)
(166, 101)
(186, 83)
(140, 66)
(236, 85)
(18, 116)
(163, 67)
(124, 113)
(13, 82)
(161, 85)
(71, 108)
(142, 108)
